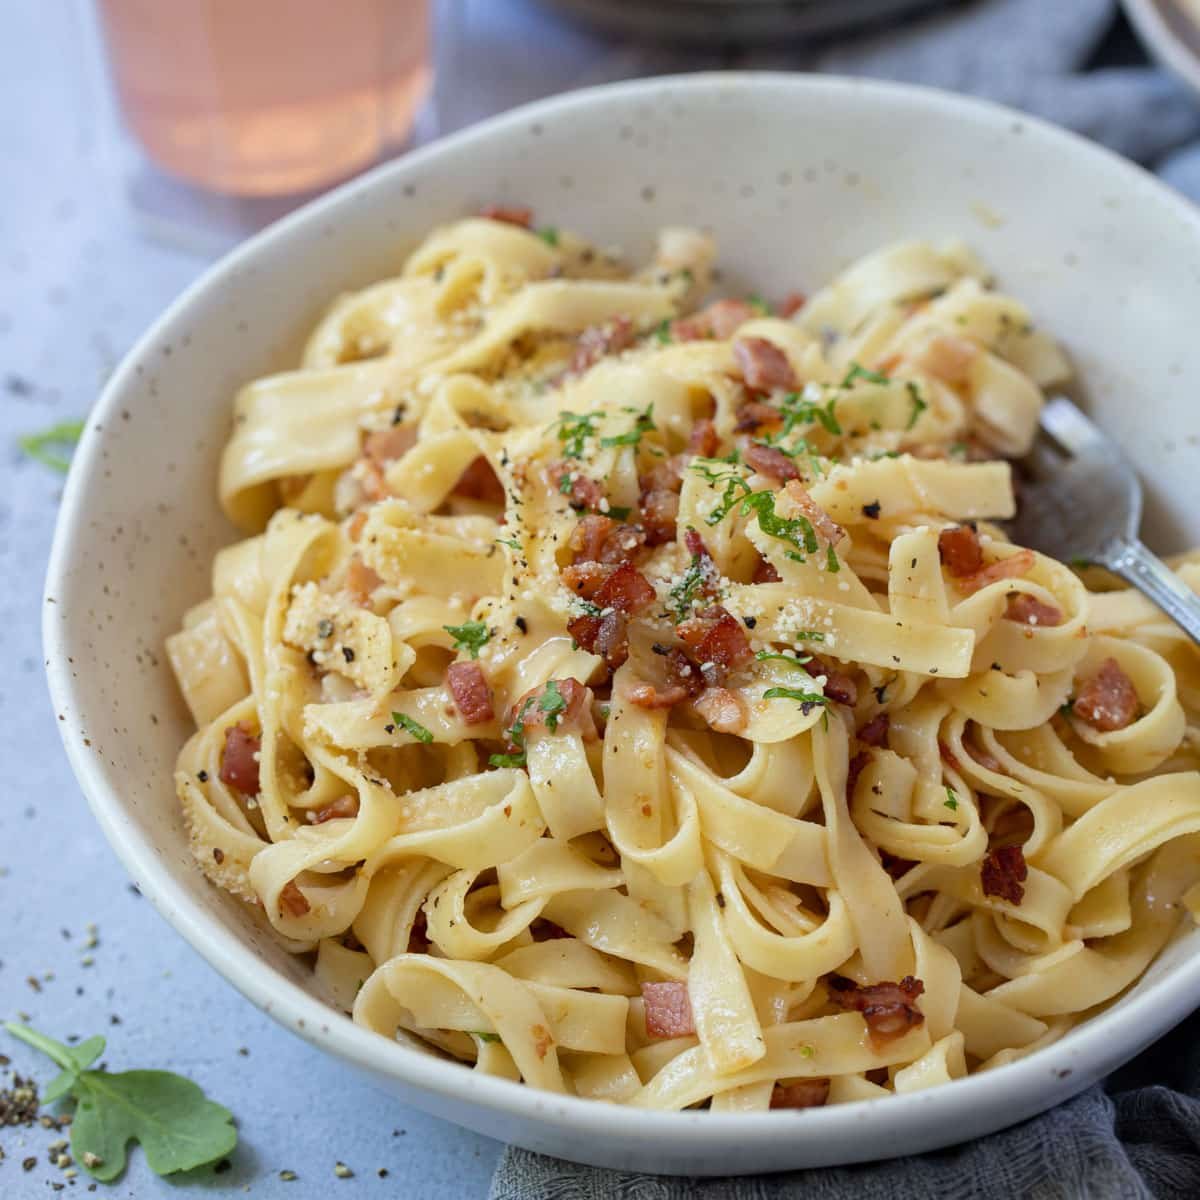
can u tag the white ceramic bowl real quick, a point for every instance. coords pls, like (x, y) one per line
(1170, 31)
(796, 176)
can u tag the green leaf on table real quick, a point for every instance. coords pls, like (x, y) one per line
(177, 1126)
(45, 446)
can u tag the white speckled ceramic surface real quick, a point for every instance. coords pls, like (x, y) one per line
(796, 176)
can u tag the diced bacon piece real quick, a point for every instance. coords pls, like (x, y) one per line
(361, 581)
(606, 636)
(576, 716)
(666, 475)
(755, 415)
(889, 1009)
(1108, 700)
(588, 538)
(386, 445)
(649, 695)
(841, 688)
(717, 641)
(721, 319)
(597, 341)
(239, 759)
(469, 687)
(765, 572)
(703, 439)
(825, 526)
(660, 513)
(1003, 873)
(343, 806)
(668, 1010)
(582, 492)
(1012, 567)
(1029, 610)
(854, 769)
(802, 1093)
(769, 460)
(292, 901)
(763, 365)
(722, 709)
(682, 681)
(791, 304)
(960, 550)
(479, 482)
(626, 589)
(510, 214)
(875, 731)
(586, 578)
(948, 357)
(622, 544)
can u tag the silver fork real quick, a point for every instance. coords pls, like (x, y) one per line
(1081, 502)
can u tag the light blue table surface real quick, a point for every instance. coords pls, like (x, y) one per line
(78, 283)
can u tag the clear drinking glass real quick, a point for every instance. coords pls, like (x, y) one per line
(268, 97)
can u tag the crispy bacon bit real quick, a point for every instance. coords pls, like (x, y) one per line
(722, 709)
(343, 806)
(622, 544)
(1029, 610)
(606, 636)
(1004, 872)
(666, 475)
(239, 760)
(361, 581)
(803, 1093)
(509, 214)
(721, 319)
(875, 731)
(292, 900)
(769, 460)
(472, 696)
(479, 482)
(597, 341)
(660, 514)
(826, 527)
(626, 589)
(703, 439)
(960, 550)
(577, 715)
(585, 578)
(755, 415)
(668, 1010)
(854, 769)
(948, 357)
(386, 445)
(588, 538)
(889, 1009)
(791, 304)
(763, 365)
(1012, 567)
(765, 572)
(648, 695)
(839, 686)
(582, 492)
(718, 642)
(1107, 701)
(683, 681)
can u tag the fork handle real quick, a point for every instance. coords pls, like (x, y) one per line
(1129, 558)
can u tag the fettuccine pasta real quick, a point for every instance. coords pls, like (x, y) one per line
(643, 701)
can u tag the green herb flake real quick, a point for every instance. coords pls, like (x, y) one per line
(512, 543)
(807, 700)
(507, 760)
(413, 728)
(687, 587)
(549, 235)
(44, 446)
(775, 656)
(177, 1126)
(485, 1037)
(761, 306)
(643, 424)
(618, 512)
(831, 561)
(858, 371)
(470, 637)
(553, 703)
(951, 800)
(808, 635)
(516, 736)
(662, 334)
(798, 408)
(574, 429)
(919, 404)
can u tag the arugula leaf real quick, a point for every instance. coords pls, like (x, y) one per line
(549, 235)
(414, 728)
(177, 1126)
(39, 445)
(807, 700)
(470, 636)
(918, 401)
(858, 371)
(553, 703)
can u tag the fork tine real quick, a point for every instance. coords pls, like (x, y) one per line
(1067, 425)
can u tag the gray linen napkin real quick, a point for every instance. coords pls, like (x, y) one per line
(1139, 1134)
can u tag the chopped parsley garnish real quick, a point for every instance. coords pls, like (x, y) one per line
(687, 587)
(512, 543)
(858, 371)
(643, 424)
(507, 760)
(574, 429)
(553, 703)
(831, 560)
(470, 636)
(413, 728)
(766, 655)
(618, 512)
(951, 800)
(485, 1037)
(919, 404)
(662, 333)
(799, 408)
(549, 235)
(41, 446)
(177, 1126)
(516, 736)
(808, 635)
(807, 700)
(759, 304)
(566, 484)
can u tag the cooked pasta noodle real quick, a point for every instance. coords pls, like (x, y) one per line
(643, 701)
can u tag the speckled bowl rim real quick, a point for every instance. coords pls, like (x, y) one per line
(903, 1124)
(1163, 36)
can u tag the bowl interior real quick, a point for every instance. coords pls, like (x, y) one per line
(796, 177)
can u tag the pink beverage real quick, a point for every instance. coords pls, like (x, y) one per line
(268, 97)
